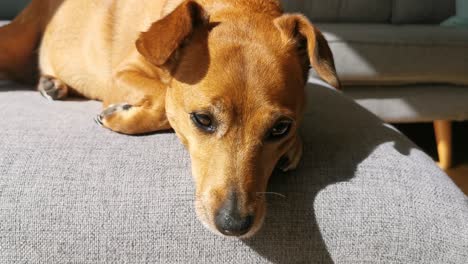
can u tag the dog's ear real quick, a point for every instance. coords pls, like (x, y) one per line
(165, 36)
(310, 45)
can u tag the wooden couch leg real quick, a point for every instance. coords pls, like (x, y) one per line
(443, 134)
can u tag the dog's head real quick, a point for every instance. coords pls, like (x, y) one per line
(236, 100)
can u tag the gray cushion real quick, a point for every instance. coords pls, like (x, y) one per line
(342, 10)
(10, 8)
(422, 11)
(414, 103)
(389, 54)
(71, 191)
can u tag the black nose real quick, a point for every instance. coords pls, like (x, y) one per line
(229, 220)
(233, 225)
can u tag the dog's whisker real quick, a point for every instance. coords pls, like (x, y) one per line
(272, 193)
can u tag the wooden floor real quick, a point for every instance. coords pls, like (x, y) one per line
(459, 175)
(423, 136)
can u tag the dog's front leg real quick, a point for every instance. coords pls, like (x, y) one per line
(136, 104)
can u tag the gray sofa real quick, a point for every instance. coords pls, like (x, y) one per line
(391, 49)
(396, 60)
(72, 192)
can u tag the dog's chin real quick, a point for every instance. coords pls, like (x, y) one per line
(209, 224)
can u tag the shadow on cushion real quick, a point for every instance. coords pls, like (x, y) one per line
(338, 136)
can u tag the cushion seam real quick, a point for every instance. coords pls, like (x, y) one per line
(461, 45)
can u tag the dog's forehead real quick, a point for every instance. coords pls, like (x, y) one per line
(253, 75)
(246, 71)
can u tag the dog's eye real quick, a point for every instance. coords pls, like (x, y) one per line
(203, 122)
(280, 130)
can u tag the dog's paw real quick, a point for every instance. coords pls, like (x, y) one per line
(292, 158)
(52, 88)
(110, 111)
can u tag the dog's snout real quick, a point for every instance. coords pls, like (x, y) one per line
(229, 220)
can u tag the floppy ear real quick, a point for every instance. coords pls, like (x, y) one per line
(165, 36)
(311, 46)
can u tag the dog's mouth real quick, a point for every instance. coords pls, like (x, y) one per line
(228, 220)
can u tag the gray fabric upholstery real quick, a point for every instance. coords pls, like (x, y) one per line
(387, 54)
(372, 11)
(72, 192)
(415, 103)
(399, 11)
(422, 11)
(342, 10)
(10, 8)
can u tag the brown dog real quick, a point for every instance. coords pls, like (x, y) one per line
(228, 76)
